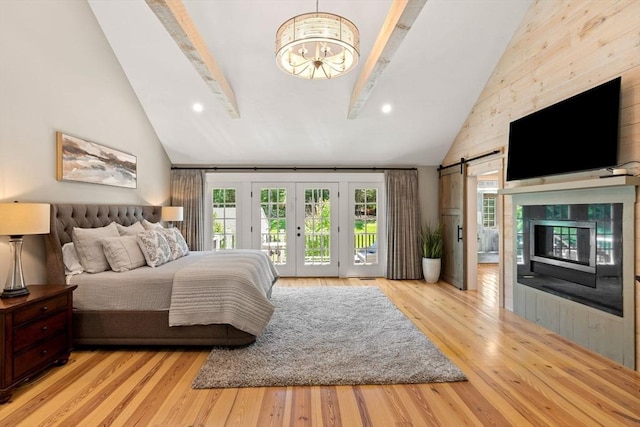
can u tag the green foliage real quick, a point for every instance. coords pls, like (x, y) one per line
(223, 197)
(431, 241)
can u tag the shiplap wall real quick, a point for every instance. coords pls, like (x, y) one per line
(561, 48)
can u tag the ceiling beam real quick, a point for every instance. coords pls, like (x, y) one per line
(400, 18)
(175, 18)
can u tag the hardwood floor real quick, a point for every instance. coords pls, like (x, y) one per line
(519, 375)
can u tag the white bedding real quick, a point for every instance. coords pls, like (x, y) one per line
(226, 287)
(202, 288)
(143, 288)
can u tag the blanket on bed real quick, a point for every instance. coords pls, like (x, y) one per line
(230, 286)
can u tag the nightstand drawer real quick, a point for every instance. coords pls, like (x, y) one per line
(40, 330)
(39, 355)
(34, 311)
(35, 333)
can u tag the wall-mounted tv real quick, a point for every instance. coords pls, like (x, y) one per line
(574, 135)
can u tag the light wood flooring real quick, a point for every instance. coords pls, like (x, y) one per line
(519, 375)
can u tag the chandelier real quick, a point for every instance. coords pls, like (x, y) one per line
(317, 46)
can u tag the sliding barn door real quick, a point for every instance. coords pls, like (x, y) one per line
(452, 214)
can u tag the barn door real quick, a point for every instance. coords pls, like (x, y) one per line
(452, 214)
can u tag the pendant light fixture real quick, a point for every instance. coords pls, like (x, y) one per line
(317, 46)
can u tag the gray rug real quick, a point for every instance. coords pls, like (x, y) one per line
(330, 336)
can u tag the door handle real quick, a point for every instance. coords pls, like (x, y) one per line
(459, 233)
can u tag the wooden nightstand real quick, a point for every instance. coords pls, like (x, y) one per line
(36, 334)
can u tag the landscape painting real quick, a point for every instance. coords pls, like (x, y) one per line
(85, 161)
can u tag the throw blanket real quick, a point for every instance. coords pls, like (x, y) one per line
(230, 286)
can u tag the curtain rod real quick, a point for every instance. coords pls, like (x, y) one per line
(292, 168)
(463, 160)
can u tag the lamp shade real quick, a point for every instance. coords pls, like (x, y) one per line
(172, 213)
(317, 46)
(19, 219)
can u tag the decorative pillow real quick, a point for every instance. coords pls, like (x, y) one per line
(155, 247)
(176, 241)
(70, 258)
(88, 246)
(123, 253)
(131, 230)
(151, 225)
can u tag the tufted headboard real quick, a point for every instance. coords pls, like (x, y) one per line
(66, 216)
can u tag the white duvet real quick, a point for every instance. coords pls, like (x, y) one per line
(231, 286)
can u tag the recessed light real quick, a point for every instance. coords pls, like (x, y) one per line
(197, 107)
(386, 108)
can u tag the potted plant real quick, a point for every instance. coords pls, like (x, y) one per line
(431, 244)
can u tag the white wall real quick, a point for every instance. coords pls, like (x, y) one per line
(58, 73)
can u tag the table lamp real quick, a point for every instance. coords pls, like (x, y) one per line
(171, 213)
(16, 221)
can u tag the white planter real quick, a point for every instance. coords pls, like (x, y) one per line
(431, 269)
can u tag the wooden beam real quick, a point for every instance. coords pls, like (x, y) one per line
(400, 18)
(173, 15)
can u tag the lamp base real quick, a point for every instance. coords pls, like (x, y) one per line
(18, 292)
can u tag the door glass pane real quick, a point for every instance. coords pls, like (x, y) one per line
(224, 218)
(317, 226)
(365, 225)
(273, 223)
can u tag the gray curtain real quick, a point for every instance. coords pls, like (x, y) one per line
(187, 190)
(404, 260)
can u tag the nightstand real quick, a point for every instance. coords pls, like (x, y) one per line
(36, 334)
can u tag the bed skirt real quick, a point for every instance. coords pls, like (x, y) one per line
(149, 328)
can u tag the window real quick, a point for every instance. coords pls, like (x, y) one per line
(317, 225)
(224, 218)
(366, 226)
(273, 223)
(489, 210)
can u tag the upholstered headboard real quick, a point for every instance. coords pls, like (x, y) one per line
(64, 217)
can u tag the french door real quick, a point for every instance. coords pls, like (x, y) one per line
(313, 225)
(298, 226)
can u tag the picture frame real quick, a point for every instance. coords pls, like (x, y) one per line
(85, 161)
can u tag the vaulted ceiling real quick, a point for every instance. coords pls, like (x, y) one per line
(428, 59)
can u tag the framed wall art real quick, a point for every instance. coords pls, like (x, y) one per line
(86, 161)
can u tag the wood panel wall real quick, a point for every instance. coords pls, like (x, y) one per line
(561, 49)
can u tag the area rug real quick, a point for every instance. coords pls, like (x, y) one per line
(330, 336)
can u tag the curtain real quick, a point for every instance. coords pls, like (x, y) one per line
(187, 190)
(404, 260)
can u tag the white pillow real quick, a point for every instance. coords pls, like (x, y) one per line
(123, 253)
(70, 258)
(155, 247)
(89, 249)
(151, 225)
(176, 241)
(131, 230)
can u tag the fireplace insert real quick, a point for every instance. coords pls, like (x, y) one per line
(573, 251)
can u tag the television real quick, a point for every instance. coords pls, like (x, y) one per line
(577, 134)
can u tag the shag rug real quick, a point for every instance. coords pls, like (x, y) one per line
(330, 336)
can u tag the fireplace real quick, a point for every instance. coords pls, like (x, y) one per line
(565, 247)
(571, 259)
(573, 251)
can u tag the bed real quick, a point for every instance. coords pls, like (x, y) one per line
(156, 305)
